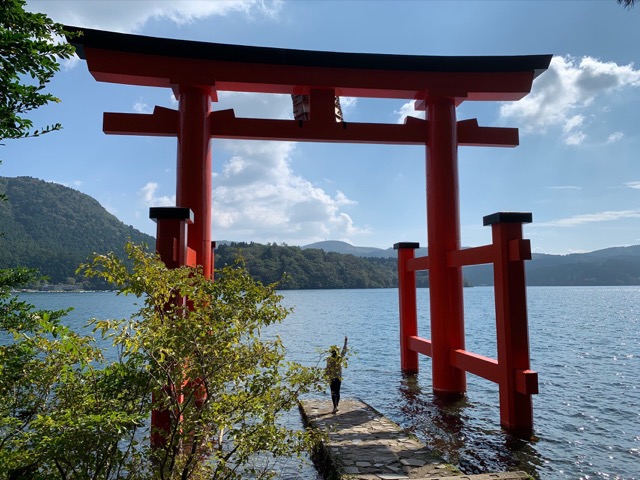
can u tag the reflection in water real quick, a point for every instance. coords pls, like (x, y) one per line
(442, 424)
(524, 454)
(410, 390)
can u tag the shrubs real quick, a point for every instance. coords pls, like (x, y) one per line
(220, 385)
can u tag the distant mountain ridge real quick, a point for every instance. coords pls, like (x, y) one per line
(348, 249)
(54, 228)
(609, 266)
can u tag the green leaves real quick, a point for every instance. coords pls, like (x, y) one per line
(297, 268)
(64, 228)
(200, 341)
(194, 346)
(30, 46)
(54, 396)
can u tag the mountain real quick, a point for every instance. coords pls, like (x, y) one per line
(55, 228)
(310, 268)
(610, 266)
(348, 249)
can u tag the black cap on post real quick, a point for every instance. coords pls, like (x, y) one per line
(507, 217)
(171, 213)
(399, 245)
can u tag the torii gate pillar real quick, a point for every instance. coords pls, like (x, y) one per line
(193, 170)
(443, 231)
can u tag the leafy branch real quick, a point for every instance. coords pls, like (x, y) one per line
(31, 45)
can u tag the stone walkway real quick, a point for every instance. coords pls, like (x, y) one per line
(362, 444)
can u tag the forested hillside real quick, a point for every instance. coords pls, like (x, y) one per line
(54, 228)
(298, 268)
(612, 266)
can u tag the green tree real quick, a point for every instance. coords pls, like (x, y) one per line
(65, 412)
(30, 46)
(208, 365)
(194, 346)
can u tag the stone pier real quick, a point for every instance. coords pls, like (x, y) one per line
(362, 444)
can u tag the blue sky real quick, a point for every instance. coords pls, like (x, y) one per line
(577, 167)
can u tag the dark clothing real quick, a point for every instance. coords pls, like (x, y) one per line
(335, 391)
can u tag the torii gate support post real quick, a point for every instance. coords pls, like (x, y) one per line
(511, 371)
(408, 306)
(517, 382)
(171, 245)
(193, 182)
(443, 233)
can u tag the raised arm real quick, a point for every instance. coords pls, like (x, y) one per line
(344, 349)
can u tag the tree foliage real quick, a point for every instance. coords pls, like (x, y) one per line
(62, 416)
(311, 268)
(54, 228)
(627, 3)
(224, 388)
(30, 46)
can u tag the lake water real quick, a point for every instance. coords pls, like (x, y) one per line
(585, 346)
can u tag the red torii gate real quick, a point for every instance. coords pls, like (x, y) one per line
(196, 71)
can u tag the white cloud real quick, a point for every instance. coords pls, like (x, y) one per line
(149, 198)
(348, 104)
(69, 63)
(577, 220)
(568, 88)
(634, 185)
(407, 110)
(122, 16)
(615, 137)
(575, 138)
(141, 107)
(571, 128)
(256, 105)
(341, 199)
(258, 197)
(573, 123)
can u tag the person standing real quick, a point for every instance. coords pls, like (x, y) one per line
(334, 372)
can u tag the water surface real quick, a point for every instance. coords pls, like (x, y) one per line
(585, 343)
